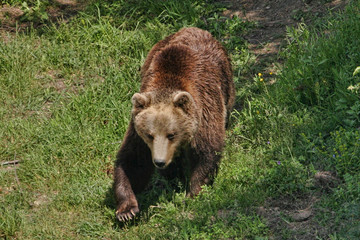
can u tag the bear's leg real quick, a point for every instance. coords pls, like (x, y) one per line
(133, 170)
(127, 205)
(203, 172)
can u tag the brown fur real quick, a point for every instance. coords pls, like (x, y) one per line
(185, 98)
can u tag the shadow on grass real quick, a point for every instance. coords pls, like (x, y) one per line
(160, 189)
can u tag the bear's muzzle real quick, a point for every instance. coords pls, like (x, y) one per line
(159, 163)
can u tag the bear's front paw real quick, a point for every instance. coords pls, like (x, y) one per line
(126, 211)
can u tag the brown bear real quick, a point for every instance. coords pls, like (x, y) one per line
(178, 117)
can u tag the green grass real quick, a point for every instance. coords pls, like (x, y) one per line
(65, 94)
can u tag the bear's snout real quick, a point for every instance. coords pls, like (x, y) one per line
(162, 151)
(159, 163)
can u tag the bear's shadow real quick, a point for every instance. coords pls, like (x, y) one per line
(160, 189)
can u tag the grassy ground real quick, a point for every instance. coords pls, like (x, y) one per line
(65, 94)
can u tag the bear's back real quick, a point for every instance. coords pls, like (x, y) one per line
(190, 60)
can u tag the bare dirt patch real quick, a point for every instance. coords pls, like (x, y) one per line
(293, 217)
(14, 18)
(296, 217)
(273, 17)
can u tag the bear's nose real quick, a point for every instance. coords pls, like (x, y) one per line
(159, 163)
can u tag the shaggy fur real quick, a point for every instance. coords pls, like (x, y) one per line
(178, 117)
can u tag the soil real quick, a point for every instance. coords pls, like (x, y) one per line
(272, 17)
(296, 216)
(291, 217)
(12, 19)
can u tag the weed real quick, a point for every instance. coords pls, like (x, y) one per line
(288, 177)
(37, 13)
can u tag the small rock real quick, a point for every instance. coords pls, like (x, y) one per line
(326, 179)
(12, 11)
(261, 211)
(41, 200)
(301, 215)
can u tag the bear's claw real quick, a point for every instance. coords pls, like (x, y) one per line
(126, 215)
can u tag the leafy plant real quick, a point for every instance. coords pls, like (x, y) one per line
(35, 13)
(319, 64)
(287, 177)
(356, 71)
(349, 110)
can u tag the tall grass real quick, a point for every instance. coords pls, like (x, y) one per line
(318, 77)
(317, 83)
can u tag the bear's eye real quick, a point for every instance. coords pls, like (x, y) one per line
(149, 136)
(171, 136)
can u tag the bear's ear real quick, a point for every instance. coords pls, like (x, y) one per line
(139, 100)
(183, 100)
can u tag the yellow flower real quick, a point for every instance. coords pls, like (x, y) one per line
(271, 73)
(261, 79)
(259, 74)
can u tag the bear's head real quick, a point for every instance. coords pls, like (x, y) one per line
(165, 125)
